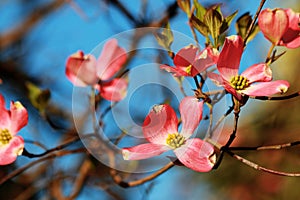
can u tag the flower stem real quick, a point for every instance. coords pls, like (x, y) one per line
(270, 52)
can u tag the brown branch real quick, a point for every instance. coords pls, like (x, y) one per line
(29, 165)
(81, 178)
(260, 168)
(296, 94)
(124, 11)
(269, 147)
(118, 179)
(253, 21)
(17, 33)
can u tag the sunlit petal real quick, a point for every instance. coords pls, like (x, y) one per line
(144, 151)
(160, 122)
(196, 155)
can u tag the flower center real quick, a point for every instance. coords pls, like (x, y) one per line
(188, 69)
(5, 136)
(175, 140)
(239, 82)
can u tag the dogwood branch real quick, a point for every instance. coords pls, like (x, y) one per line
(118, 179)
(260, 168)
(296, 94)
(268, 147)
(49, 157)
(253, 21)
(57, 148)
(229, 142)
(222, 118)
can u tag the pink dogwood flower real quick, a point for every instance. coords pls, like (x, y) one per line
(160, 128)
(83, 70)
(280, 26)
(254, 81)
(190, 62)
(11, 121)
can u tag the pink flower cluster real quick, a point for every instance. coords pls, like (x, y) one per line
(280, 26)
(189, 61)
(254, 81)
(83, 70)
(160, 128)
(160, 125)
(11, 121)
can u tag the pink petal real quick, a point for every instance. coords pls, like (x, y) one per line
(114, 90)
(258, 72)
(19, 117)
(4, 114)
(219, 81)
(216, 78)
(232, 91)
(204, 60)
(160, 122)
(185, 56)
(174, 70)
(111, 60)
(267, 88)
(293, 44)
(191, 113)
(273, 24)
(144, 151)
(10, 151)
(196, 155)
(291, 37)
(81, 69)
(230, 56)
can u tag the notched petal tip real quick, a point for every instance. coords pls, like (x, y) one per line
(157, 108)
(213, 159)
(18, 105)
(283, 89)
(125, 154)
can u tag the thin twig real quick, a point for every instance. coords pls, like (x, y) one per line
(229, 142)
(31, 164)
(208, 133)
(17, 33)
(260, 168)
(268, 147)
(222, 118)
(296, 94)
(253, 21)
(118, 179)
(60, 147)
(80, 179)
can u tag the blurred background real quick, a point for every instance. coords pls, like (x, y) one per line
(36, 37)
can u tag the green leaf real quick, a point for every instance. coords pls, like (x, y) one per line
(185, 5)
(165, 38)
(200, 26)
(200, 10)
(213, 20)
(242, 24)
(253, 33)
(217, 7)
(39, 98)
(227, 21)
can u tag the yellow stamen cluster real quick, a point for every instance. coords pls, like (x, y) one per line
(175, 140)
(5, 136)
(188, 69)
(239, 82)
